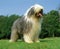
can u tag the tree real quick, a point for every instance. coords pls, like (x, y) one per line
(50, 24)
(5, 25)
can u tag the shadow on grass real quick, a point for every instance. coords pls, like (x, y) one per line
(45, 40)
(41, 40)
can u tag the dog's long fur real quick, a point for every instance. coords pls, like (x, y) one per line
(29, 25)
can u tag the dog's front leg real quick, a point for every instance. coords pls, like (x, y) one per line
(28, 38)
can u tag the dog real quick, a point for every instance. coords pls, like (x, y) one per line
(28, 25)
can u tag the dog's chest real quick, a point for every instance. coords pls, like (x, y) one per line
(36, 27)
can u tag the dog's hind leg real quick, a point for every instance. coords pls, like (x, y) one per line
(14, 35)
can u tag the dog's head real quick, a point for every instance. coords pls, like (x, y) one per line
(35, 11)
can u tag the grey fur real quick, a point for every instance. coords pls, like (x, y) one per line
(20, 26)
(31, 12)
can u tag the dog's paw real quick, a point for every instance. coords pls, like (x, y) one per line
(11, 41)
(37, 41)
(29, 41)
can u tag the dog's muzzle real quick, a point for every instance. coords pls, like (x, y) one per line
(40, 13)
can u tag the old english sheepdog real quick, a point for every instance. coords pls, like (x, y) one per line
(28, 25)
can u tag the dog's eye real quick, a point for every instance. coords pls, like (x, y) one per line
(35, 13)
(41, 11)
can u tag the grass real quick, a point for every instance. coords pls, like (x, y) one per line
(47, 43)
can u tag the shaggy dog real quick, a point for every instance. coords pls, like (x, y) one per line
(29, 25)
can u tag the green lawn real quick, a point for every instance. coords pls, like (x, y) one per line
(47, 43)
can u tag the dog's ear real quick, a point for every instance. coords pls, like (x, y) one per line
(31, 11)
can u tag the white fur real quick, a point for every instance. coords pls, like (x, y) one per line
(33, 35)
(37, 7)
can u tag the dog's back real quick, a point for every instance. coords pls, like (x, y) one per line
(22, 26)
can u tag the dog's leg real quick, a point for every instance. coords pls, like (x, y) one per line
(36, 38)
(28, 38)
(14, 36)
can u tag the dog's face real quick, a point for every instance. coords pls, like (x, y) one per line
(36, 11)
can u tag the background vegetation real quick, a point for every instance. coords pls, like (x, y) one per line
(50, 25)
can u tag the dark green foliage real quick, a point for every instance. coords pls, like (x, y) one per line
(50, 26)
(5, 25)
